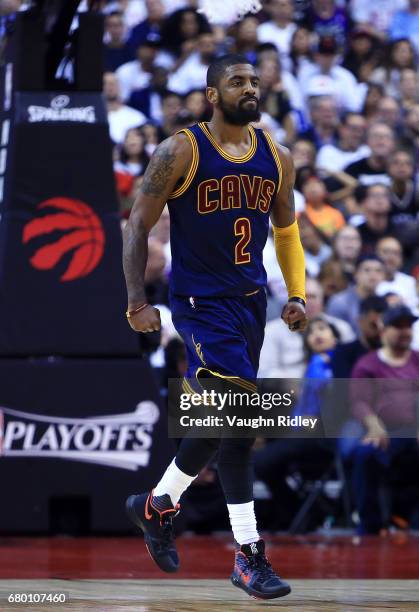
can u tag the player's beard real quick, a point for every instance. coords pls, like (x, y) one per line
(239, 115)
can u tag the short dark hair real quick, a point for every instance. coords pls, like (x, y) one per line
(369, 257)
(373, 303)
(218, 67)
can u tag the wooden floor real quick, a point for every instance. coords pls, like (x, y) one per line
(336, 574)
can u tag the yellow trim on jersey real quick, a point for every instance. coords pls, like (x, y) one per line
(234, 379)
(236, 160)
(192, 170)
(252, 293)
(274, 151)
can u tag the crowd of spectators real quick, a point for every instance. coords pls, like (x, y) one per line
(340, 88)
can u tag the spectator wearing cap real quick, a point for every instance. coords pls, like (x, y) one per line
(369, 272)
(369, 337)
(282, 354)
(390, 251)
(386, 409)
(279, 29)
(350, 146)
(120, 117)
(327, 19)
(404, 193)
(137, 73)
(192, 74)
(375, 208)
(363, 54)
(373, 168)
(406, 23)
(325, 77)
(399, 55)
(325, 218)
(150, 28)
(115, 49)
(347, 248)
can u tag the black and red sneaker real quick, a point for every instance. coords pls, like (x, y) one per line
(154, 516)
(254, 574)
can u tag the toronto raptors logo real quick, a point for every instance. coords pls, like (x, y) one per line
(84, 236)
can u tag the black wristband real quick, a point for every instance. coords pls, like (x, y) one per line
(297, 299)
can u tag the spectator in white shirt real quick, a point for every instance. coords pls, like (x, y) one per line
(192, 74)
(137, 74)
(279, 29)
(350, 147)
(390, 251)
(349, 95)
(121, 118)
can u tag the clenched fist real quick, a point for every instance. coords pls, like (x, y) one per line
(294, 315)
(147, 320)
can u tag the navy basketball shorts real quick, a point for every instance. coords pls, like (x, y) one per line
(223, 335)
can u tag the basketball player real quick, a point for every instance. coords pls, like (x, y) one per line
(223, 181)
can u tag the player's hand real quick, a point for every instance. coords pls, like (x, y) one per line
(294, 315)
(377, 436)
(147, 320)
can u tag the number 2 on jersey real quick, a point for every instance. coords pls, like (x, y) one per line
(242, 229)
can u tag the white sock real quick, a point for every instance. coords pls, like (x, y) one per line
(173, 483)
(243, 522)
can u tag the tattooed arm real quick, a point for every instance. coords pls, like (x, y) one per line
(169, 163)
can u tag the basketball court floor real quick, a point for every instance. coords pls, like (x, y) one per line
(327, 573)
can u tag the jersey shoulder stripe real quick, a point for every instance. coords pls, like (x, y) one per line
(275, 155)
(194, 165)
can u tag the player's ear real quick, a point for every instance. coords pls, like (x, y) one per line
(212, 95)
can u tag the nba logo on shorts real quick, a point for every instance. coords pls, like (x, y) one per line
(254, 548)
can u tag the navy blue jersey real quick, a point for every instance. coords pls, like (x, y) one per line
(219, 216)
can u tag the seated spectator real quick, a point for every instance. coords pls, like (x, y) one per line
(301, 52)
(390, 251)
(389, 112)
(347, 248)
(341, 83)
(316, 251)
(399, 56)
(373, 168)
(148, 99)
(303, 153)
(332, 278)
(375, 223)
(350, 146)
(411, 131)
(133, 158)
(409, 89)
(151, 137)
(363, 54)
(327, 19)
(137, 73)
(181, 32)
(282, 354)
(150, 28)
(376, 17)
(373, 95)
(345, 305)
(274, 98)
(196, 105)
(171, 107)
(386, 409)
(324, 121)
(245, 37)
(279, 29)
(324, 217)
(192, 74)
(115, 49)
(406, 23)
(404, 192)
(369, 337)
(121, 117)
